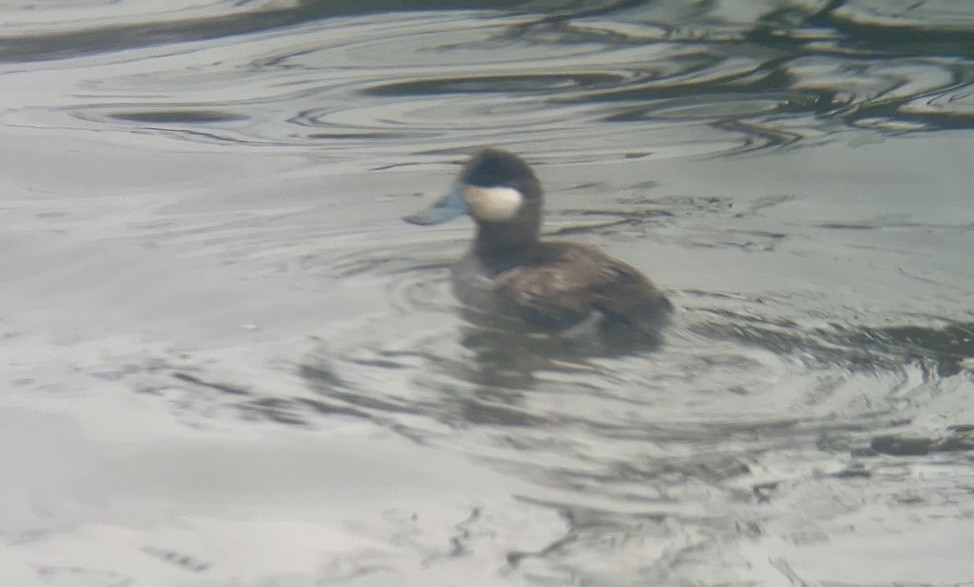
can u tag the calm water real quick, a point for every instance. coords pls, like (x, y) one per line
(225, 360)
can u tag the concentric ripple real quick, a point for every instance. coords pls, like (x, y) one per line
(340, 84)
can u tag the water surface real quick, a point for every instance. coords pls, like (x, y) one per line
(227, 361)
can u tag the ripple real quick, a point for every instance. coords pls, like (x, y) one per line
(499, 83)
(610, 427)
(942, 15)
(426, 97)
(708, 108)
(177, 116)
(953, 109)
(762, 403)
(445, 80)
(79, 31)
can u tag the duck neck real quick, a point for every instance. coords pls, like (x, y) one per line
(497, 238)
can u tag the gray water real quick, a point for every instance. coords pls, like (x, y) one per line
(225, 360)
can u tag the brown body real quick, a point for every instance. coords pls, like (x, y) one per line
(557, 285)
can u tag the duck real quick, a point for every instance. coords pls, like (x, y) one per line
(556, 286)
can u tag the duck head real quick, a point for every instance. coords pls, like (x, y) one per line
(499, 190)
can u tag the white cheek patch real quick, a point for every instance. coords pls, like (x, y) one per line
(493, 204)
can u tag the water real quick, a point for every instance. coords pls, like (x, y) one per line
(227, 361)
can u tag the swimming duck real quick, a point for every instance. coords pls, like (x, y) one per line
(558, 286)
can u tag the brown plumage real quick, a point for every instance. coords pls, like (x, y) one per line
(562, 283)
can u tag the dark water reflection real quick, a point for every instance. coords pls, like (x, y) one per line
(201, 206)
(785, 73)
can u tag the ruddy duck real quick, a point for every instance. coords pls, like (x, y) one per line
(558, 286)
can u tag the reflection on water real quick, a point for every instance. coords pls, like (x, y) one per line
(343, 83)
(203, 257)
